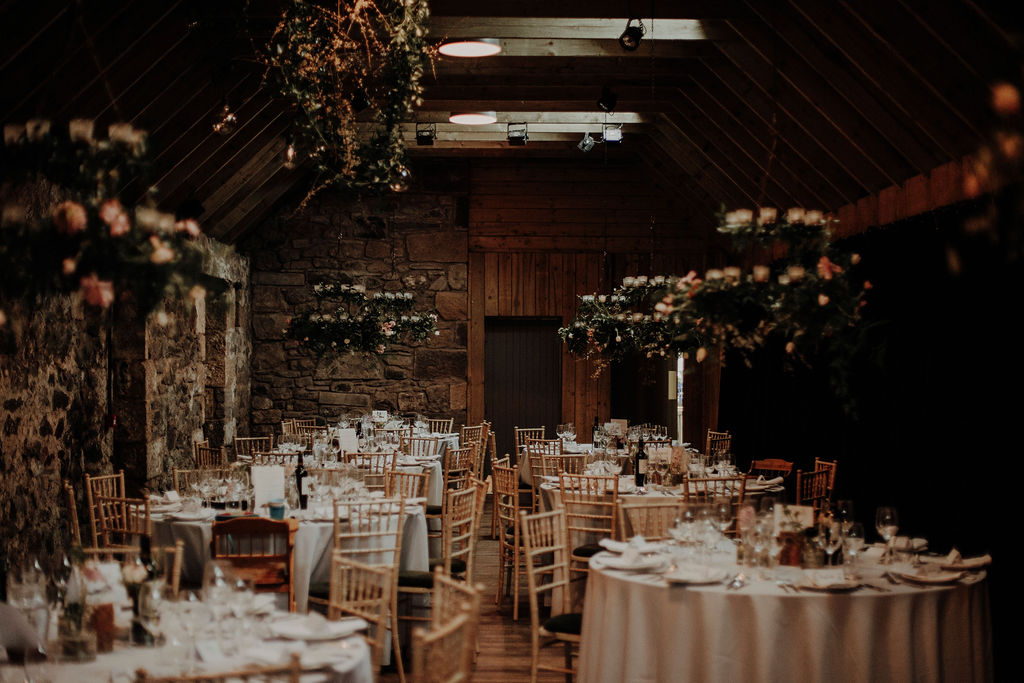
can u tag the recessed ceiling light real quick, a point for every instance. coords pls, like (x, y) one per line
(478, 47)
(474, 118)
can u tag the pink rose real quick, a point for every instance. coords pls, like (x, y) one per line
(161, 252)
(190, 226)
(790, 347)
(70, 217)
(110, 210)
(826, 268)
(823, 299)
(69, 265)
(97, 292)
(120, 226)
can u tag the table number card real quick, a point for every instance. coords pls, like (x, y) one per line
(348, 440)
(267, 484)
(616, 427)
(789, 516)
(380, 416)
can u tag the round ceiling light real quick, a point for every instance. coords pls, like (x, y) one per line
(474, 118)
(478, 47)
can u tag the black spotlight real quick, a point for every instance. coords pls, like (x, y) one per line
(425, 133)
(606, 102)
(630, 38)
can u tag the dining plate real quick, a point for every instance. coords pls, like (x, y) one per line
(829, 587)
(930, 578)
(312, 629)
(643, 563)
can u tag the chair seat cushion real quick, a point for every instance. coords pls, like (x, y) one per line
(571, 623)
(320, 589)
(458, 564)
(588, 550)
(434, 510)
(414, 579)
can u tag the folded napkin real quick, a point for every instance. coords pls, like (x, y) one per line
(637, 544)
(632, 560)
(908, 544)
(955, 561)
(826, 579)
(688, 572)
(761, 481)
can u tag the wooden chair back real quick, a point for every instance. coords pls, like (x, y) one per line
(370, 531)
(440, 425)
(284, 459)
(123, 521)
(717, 443)
(419, 446)
(399, 484)
(365, 591)
(650, 520)
(459, 530)
(832, 466)
(109, 486)
(444, 653)
(506, 495)
(770, 468)
(590, 504)
(207, 457)
(706, 490)
(474, 434)
(812, 488)
(261, 550)
(545, 546)
(458, 465)
(524, 433)
(245, 446)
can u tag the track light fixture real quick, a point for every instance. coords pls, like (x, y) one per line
(586, 144)
(425, 133)
(630, 38)
(612, 132)
(607, 101)
(517, 134)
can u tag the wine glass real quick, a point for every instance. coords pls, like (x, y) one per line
(887, 524)
(844, 513)
(833, 541)
(570, 432)
(722, 510)
(853, 543)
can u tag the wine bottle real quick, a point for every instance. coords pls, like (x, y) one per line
(593, 439)
(640, 466)
(146, 557)
(300, 474)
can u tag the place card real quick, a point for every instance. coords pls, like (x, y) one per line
(789, 516)
(349, 440)
(380, 416)
(267, 484)
(616, 427)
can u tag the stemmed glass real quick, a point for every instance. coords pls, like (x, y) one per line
(853, 543)
(844, 513)
(834, 541)
(722, 513)
(887, 524)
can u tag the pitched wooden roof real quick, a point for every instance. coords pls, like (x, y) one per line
(865, 108)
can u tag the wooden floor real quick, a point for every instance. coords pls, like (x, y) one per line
(504, 644)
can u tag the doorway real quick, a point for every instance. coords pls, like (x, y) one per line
(522, 377)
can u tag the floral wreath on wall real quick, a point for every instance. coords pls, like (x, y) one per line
(808, 299)
(92, 241)
(359, 322)
(334, 63)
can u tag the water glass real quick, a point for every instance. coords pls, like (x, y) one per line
(887, 524)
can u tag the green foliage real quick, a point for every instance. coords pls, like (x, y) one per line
(357, 322)
(332, 60)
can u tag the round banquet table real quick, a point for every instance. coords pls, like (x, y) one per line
(638, 628)
(313, 544)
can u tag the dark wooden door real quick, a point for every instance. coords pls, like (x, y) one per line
(522, 376)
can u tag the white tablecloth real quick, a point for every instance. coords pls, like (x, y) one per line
(313, 544)
(637, 629)
(349, 657)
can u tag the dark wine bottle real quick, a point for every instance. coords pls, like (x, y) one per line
(300, 475)
(640, 465)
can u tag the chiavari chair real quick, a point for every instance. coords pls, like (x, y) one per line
(122, 522)
(405, 485)
(444, 652)
(770, 468)
(362, 590)
(812, 488)
(545, 545)
(590, 504)
(511, 560)
(284, 459)
(245, 446)
(207, 457)
(706, 490)
(831, 466)
(107, 485)
(456, 471)
(440, 426)
(717, 443)
(536, 451)
(259, 549)
(652, 520)
(419, 446)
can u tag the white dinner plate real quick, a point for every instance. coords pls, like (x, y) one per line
(312, 630)
(696, 575)
(644, 563)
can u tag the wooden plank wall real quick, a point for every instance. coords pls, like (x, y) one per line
(542, 232)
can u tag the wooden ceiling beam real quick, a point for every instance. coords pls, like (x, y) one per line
(540, 117)
(730, 174)
(707, 114)
(735, 98)
(902, 91)
(704, 174)
(512, 106)
(679, 182)
(229, 203)
(833, 88)
(606, 69)
(595, 28)
(606, 47)
(799, 118)
(912, 47)
(678, 9)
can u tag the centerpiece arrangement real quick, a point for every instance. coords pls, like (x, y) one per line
(68, 225)
(807, 299)
(359, 321)
(352, 74)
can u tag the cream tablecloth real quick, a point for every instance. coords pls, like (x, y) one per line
(637, 629)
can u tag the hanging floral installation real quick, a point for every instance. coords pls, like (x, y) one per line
(808, 299)
(352, 72)
(358, 321)
(91, 240)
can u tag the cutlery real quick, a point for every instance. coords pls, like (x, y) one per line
(738, 581)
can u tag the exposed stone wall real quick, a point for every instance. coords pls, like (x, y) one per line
(54, 360)
(407, 242)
